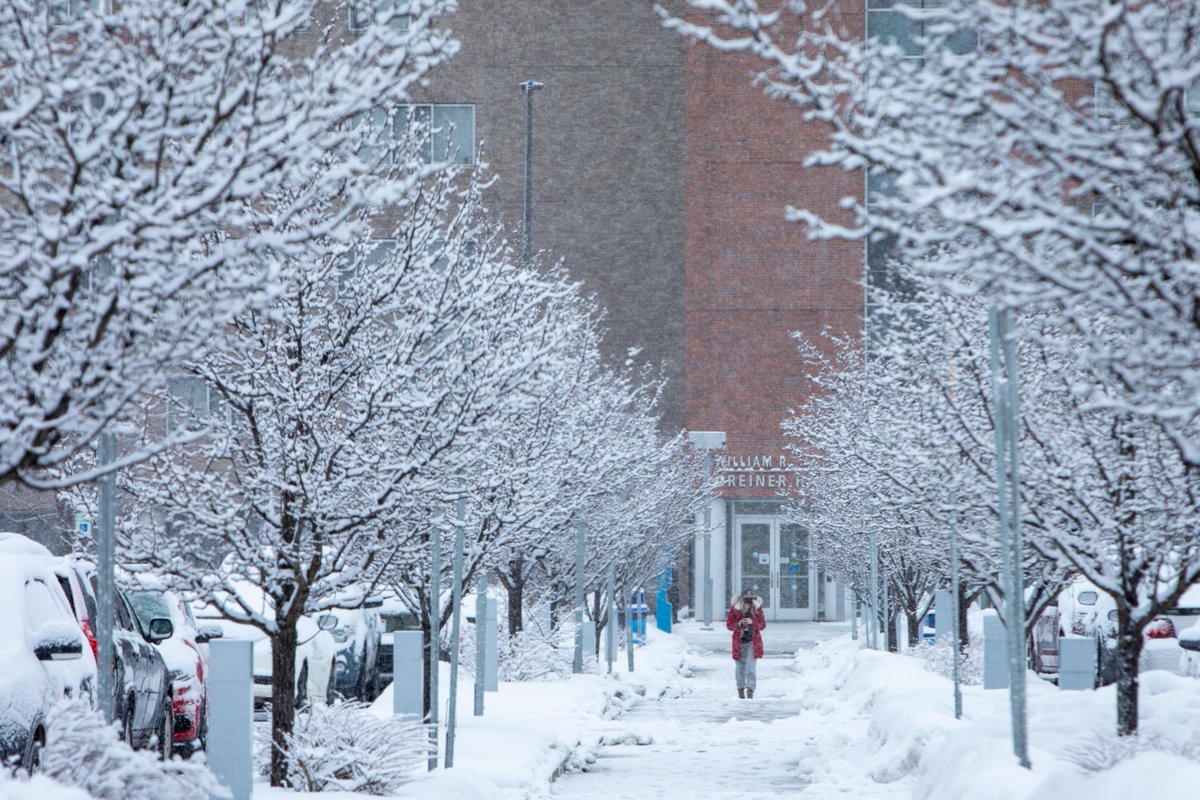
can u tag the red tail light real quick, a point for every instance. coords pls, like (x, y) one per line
(1160, 629)
(91, 637)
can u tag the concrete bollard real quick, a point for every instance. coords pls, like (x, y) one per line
(995, 652)
(491, 654)
(231, 715)
(1076, 662)
(408, 674)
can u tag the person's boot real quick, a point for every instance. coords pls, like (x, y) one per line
(749, 694)
(742, 693)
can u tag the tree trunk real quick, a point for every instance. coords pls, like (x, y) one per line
(515, 588)
(964, 603)
(283, 696)
(1129, 651)
(914, 627)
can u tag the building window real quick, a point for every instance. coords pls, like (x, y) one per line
(440, 131)
(352, 262)
(65, 11)
(892, 22)
(364, 13)
(269, 9)
(192, 404)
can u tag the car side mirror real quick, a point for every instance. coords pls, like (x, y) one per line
(1190, 643)
(58, 641)
(159, 629)
(206, 633)
(327, 622)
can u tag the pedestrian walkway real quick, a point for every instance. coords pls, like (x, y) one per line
(709, 744)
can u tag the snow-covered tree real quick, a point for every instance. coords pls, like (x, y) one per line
(911, 433)
(137, 145)
(1050, 152)
(330, 412)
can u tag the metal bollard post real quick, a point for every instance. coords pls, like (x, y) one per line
(231, 715)
(943, 617)
(408, 674)
(995, 652)
(491, 654)
(1076, 662)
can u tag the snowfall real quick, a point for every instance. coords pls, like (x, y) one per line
(831, 718)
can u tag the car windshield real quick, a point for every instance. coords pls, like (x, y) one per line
(148, 605)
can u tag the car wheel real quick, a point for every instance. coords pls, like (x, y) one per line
(202, 727)
(127, 726)
(302, 686)
(331, 690)
(37, 742)
(166, 730)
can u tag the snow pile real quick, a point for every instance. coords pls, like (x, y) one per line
(39, 787)
(84, 751)
(533, 731)
(344, 747)
(1073, 747)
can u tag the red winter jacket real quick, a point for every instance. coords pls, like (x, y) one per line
(759, 621)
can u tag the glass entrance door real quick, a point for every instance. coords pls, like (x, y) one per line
(774, 561)
(755, 548)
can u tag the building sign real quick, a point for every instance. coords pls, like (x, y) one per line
(755, 471)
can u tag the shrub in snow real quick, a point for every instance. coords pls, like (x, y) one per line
(84, 751)
(536, 655)
(345, 748)
(1099, 752)
(939, 659)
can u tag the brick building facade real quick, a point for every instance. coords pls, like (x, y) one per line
(751, 279)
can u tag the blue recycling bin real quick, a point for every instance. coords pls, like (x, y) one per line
(662, 611)
(637, 616)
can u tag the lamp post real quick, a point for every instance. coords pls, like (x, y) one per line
(1008, 505)
(106, 537)
(527, 89)
(707, 440)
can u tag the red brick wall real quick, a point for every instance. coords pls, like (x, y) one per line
(751, 277)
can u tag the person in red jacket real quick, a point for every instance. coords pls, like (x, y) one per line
(746, 620)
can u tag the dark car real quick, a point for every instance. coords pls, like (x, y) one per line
(142, 690)
(186, 655)
(356, 633)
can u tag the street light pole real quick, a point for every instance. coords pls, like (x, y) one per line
(1008, 505)
(527, 89)
(106, 537)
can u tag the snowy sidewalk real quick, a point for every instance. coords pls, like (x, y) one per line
(707, 743)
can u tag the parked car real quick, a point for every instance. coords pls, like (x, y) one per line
(356, 633)
(44, 654)
(394, 617)
(315, 655)
(142, 692)
(185, 653)
(70, 573)
(1080, 609)
(1189, 645)
(1186, 612)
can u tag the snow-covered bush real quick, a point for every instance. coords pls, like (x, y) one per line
(939, 659)
(84, 751)
(345, 748)
(534, 654)
(1099, 752)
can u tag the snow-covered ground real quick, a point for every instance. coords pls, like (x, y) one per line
(830, 719)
